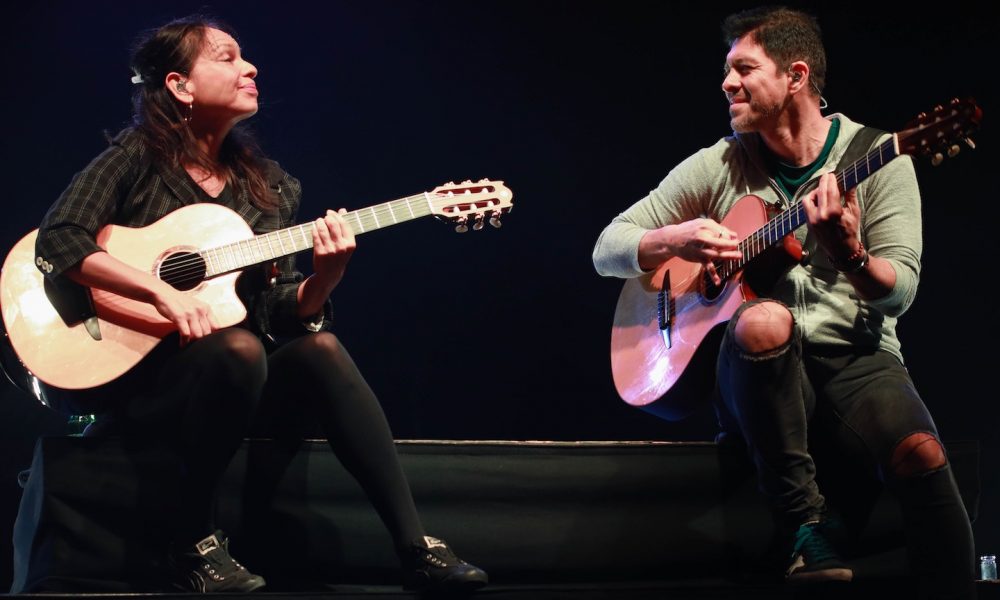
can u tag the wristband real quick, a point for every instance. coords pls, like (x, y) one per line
(853, 263)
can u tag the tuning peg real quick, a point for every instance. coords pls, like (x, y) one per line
(478, 224)
(463, 225)
(953, 150)
(495, 220)
(970, 143)
(937, 159)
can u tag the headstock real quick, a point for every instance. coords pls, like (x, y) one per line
(479, 201)
(937, 134)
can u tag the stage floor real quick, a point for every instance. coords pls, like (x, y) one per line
(646, 590)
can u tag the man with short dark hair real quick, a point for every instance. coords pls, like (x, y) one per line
(818, 355)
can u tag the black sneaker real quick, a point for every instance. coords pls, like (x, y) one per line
(430, 565)
(814, 559)
(207, 567)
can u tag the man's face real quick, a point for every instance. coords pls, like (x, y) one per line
(756, 90)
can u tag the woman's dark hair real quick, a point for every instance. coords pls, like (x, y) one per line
(785, 35)
(161, 119)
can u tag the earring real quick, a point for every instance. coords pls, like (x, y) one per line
(190, 112)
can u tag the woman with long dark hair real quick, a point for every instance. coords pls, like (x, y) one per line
(192, 89)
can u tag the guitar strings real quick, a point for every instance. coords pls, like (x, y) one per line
(793, 217)
(367, 219)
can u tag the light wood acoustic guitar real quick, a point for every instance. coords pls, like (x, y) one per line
(662, 318)
(200, 249)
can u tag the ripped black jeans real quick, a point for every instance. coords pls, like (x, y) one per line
(864, 404)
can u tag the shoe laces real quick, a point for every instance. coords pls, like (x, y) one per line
(811, 543)
(215, 556)
(436, 552)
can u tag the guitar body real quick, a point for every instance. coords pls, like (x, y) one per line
(648, 360)
(65, 355)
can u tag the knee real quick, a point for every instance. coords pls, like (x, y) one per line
(763, 327)
(916, 454)
(240, 352)
(323, 344)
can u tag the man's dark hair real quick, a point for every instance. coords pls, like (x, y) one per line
(785, 35)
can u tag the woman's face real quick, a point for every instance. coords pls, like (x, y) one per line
(221, 81)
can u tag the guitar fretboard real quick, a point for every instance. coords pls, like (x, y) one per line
(795, 216)
(269, 246)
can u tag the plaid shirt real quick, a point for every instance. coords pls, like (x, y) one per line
(123, 186)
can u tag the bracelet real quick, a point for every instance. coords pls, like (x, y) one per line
(854, 263)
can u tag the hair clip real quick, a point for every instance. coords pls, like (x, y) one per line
(137, 78)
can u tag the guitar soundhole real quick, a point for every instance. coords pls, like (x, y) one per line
(710, 292)
(183, 270)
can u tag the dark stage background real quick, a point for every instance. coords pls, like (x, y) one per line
(581, 109)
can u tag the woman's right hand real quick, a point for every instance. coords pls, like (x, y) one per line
(194, 319)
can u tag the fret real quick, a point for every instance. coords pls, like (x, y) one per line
(391, 214)
(247, 254)
(231, 258)
(260, 250)
(409, 205)
(357, 217)
(270, 246)
(374, 216)
(209, 257)
(291, 240)
(306, 243)
(277, 236)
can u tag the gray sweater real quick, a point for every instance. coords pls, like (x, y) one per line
(823, 302)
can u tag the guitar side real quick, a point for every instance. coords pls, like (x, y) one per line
(65, 355)
(647, 361)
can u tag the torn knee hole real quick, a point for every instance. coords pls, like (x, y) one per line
(917, 453)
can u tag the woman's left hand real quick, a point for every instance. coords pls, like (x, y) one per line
(333, 244)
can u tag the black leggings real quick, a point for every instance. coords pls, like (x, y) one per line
(205, 398)
(314, 384)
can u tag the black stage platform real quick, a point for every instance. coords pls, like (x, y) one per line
(546, 519)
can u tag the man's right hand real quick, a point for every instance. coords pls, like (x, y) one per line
(697, 240)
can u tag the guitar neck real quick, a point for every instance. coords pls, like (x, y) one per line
(283, 242)
(795, 216)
